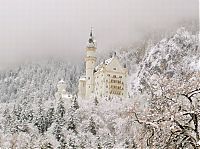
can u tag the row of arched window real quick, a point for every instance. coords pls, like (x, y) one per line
(116, 92)
(117, 87)
(116, 81)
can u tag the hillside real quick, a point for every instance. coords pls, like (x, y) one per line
(173, 58)
(161, 111)
(37, 80)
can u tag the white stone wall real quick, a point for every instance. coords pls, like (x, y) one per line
(61, 86)
(111, 80)
(99, 84)
(90, 64)
(81, 88)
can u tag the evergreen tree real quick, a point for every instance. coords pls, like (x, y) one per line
(75, 104)
(41, 124)
(129, 143)
(30, 116)
(108, 143)
(63, 143)
(60, 109)
(126, 143)
(7, 123)
(72, 144)
(47, 146)
(17, 111)
(50, 116)
(71, 124)
(92, 126)
(99, 143)
(57, 131)
(72, 115)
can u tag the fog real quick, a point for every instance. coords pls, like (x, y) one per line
(38, 29)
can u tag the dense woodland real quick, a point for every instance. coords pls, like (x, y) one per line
(162, 109)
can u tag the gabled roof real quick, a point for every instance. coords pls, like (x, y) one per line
(108, 64)
(100, 66)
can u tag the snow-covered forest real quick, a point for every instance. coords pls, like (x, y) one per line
(162, 109)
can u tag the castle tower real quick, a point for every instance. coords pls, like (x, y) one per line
(90, 61)
(61, 86)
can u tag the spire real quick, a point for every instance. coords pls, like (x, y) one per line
(91, 32)
(91, 42)
(91, 36)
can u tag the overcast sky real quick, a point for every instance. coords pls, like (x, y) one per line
(60, 28)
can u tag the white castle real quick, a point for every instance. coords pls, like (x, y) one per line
(104, 80)
(61, 91)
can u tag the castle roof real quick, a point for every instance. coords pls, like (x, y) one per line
(100, 66)
(91, 42)
(61, 81)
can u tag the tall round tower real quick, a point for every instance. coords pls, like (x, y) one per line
(90, 61)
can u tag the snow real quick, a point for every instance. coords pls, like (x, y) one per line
(108, 60)
(67, 96)
(198, 143)
(82, 78)
(169, 68)
(100, 66)
(61, 81)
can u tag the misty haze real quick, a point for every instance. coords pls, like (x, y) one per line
(107, 74)
(42, 29)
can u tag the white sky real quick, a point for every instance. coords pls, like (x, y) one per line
(60, 28)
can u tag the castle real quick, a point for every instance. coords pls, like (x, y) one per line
(61, 91)
(104, 80)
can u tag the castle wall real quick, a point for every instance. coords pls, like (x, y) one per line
(111, 83)
(82, 88)
(90, 64)
(109, 80)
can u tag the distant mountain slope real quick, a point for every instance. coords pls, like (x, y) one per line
(171, 53)
(37, 80)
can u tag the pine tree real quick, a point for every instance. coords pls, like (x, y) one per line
(50, 116)
(41, 124)
(72, 144)
(30, 116)
(71, 124)
(60, 109)
(92, 126)
(17, 111)
(63, 144)
(99, 143)
(8, 123)
(47, 146)
(57, 131)
(129, 143)
(109, 143)
(75, 104)
(126, 143)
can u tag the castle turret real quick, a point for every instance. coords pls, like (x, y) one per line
(62, 92)
(61, 86)
(90, 61)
